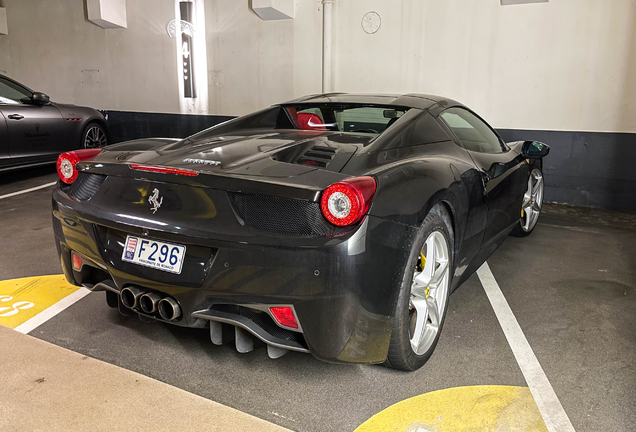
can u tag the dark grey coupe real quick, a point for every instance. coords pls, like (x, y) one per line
(334, 224)
(34, 130)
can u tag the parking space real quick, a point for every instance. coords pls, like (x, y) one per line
(26, 224)
(570, 285)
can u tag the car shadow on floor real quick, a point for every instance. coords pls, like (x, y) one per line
(11, 181)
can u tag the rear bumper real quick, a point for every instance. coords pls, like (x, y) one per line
(343, 289)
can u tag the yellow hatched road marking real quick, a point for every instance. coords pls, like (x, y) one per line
(461, 409)
(22, 299)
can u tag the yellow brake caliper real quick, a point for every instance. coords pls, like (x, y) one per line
(422, 264)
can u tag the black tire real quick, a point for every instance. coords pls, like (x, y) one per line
(94, 136)
(401, 355)
(519, 230)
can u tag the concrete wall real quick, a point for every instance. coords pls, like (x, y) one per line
(562, 65)
(251, 63)
(50, 43)
(530, 70)
(254, 63)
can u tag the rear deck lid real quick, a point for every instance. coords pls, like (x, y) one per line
(277, 154)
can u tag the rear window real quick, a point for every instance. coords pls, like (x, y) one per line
(317, 117)
(345, 118)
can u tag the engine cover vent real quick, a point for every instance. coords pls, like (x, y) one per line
(317, 156)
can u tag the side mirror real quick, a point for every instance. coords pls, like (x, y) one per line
(390, 114)
(534, 149)
(40, 98)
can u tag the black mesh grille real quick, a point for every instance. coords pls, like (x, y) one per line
(282, 215)
(85, 186)
(263, 320)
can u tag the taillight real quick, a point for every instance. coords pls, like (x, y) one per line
(164, 170)
(344, 203)
(66, 163)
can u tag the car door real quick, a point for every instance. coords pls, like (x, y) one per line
(4, 142)
(503, 171)
(35, 132)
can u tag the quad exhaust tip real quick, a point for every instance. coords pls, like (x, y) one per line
(169, 309)
(149, 302)
(130, 297)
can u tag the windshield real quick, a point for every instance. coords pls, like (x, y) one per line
(345, 118)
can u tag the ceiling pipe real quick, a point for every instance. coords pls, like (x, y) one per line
(327, 40)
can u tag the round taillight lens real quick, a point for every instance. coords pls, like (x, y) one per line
(66, 163)
(344, 203)
(66, 167)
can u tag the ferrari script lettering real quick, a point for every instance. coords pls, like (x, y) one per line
(202, 161)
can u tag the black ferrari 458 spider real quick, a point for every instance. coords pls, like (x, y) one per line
(34, 130)
(334, 224)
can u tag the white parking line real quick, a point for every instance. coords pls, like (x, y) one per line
(27, 190)
(554, 416)
(51, 311)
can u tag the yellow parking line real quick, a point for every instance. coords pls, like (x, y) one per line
(461, 409)
(22, 299)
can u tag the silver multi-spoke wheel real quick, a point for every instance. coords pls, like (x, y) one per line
(95, 137)
(532, 201)
(429, 293)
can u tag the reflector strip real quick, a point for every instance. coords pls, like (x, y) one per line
(77, 262)
(164, 170)
(284, 316)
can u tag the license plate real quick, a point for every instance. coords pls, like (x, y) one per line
(156, 254)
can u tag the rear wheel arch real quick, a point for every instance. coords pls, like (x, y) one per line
(447, 211)
(400, 354)
(441, 204)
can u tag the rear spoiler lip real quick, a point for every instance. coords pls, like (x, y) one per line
(307, 186)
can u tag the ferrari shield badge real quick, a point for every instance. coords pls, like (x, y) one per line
(155, 200)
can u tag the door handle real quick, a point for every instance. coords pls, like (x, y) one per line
(16, 117)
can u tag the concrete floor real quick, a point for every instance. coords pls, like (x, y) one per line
(571, 285)
(53, 389)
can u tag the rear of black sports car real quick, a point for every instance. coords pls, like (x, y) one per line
(228, 232)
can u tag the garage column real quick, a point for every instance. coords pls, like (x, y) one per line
(3, 21)
(327, 44)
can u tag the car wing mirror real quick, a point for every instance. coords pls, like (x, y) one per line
(534, 149)
(391, 113)
(40, 98)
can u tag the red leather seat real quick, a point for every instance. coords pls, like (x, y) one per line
(308, 121)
